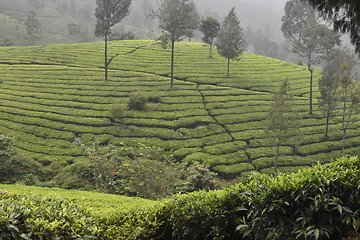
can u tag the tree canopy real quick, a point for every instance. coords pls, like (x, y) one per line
(108, 13)
(345, 14)
(210, 27)
(297, 16)
(177, 18)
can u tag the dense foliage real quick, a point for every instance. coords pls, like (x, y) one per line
(316, 203)
(49, 218)
(345, 15)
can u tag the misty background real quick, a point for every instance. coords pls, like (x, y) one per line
(73, 21)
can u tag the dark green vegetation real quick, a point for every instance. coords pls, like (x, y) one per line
(317, 203)
(344, 14)
(53, 95)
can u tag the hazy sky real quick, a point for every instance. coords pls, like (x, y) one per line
(255, 13)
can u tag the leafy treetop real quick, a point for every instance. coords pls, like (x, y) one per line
(345, 14)
(177, 18)
(108, 13)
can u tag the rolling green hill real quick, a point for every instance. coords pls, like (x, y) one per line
(51, 95)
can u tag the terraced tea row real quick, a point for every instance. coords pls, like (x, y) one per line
(52, 95)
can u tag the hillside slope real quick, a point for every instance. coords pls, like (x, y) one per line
(52, 95)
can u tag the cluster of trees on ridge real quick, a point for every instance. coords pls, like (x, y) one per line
(177, 19)
(65, 21)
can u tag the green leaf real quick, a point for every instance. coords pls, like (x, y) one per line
(242, 227)
(25, 236)
(316, 234)
(12, 226)
(340, 209)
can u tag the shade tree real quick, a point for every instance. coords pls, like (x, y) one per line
(280, 126)
(309, 38)
(349, 96)
(210, 28)
(177, 19)
(230, 40)
(33, 28)
(330, 81)
(109, 13)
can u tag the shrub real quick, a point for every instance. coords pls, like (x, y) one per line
(48, 218)
(116, 112)
(154, 99)
(6, 147)
(196, 157)
(138, 102)
(183, 152)
(79, 175)
(198, 177)
(229, 171)
(14, 167)
(147, 178)
(316, 203)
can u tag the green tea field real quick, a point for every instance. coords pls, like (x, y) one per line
(51, 95)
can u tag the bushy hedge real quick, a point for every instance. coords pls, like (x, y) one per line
(322, 202)
(50, 218)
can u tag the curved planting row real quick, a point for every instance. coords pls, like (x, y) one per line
(52, 95)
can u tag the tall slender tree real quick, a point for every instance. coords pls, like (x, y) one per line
(210, 27)
(230, 40)
(310, 46)
(33, 28)
(350, 99)
(307, 36)
(108, 13)
(280, 124)
(178, 18)
(330, 81)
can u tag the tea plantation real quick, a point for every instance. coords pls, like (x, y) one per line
(52, 95)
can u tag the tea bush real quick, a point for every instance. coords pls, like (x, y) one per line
(322, 202)
(116, 112)
(138, 102)
(48, 218)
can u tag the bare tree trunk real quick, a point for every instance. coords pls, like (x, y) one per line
(172, 62)
(311, 87)
(106, 58)
(343, 125)
(210, 50)
(277, 150)
(343, 143)
(327, 122)
(228, 73)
